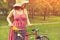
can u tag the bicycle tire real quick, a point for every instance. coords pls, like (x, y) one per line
(44, 38)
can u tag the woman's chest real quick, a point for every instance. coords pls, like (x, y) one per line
(22, 16)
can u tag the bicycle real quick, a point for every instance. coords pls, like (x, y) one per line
(40, 37)
(34, 32)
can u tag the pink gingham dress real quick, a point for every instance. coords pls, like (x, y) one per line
(20, 22)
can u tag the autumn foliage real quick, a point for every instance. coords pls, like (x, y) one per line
(44, 7)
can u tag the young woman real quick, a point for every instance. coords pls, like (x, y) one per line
(20, 20)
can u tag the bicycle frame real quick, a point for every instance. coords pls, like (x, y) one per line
(36, 35)
(34, 32)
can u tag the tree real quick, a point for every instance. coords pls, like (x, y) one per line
(11, 3)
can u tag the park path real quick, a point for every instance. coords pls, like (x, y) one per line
(46, 23)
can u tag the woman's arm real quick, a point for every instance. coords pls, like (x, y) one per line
(8, 18)
(28, 22)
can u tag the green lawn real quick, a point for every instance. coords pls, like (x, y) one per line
(52, 30)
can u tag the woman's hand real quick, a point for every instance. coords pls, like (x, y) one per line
(30, 25)
(11, 25)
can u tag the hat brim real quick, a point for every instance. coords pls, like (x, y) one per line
(20, 4)
(22, 1)
(17, 5)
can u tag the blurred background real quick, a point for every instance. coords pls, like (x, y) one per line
(45, 13)
(44, 8)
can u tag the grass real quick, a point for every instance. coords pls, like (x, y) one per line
(52, 30)
(4, 33)
(39, 19)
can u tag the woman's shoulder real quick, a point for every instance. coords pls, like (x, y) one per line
(12, 11)
(25, 10)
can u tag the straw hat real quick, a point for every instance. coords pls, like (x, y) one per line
(20, 2)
